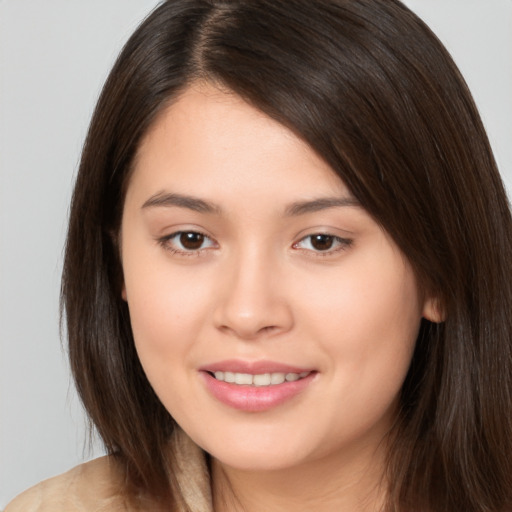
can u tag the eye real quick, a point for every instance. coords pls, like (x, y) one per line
(186, 242)
(322, 242)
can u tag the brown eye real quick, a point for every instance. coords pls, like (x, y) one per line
(187, 243)
(191, 240)
(322, 242)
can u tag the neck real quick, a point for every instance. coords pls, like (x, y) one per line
(331, 484)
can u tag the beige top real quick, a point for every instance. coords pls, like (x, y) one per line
(96, 486)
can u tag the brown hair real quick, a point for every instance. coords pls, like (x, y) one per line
(369, 87)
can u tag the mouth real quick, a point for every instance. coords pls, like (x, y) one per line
(258, 380)
(256, 386)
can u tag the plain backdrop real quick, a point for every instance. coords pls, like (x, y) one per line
(54, 57)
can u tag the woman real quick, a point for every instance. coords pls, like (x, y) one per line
(286, 280)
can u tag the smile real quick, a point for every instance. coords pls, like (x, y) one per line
(255, 386)
(261, 379)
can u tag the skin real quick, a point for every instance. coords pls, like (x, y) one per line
(256, 288)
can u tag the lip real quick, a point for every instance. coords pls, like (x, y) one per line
(252, 367)
(254, 398)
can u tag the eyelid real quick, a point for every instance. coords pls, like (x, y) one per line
(169, 242)
(166, 242)
(342, 244)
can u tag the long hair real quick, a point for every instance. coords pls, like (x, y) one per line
(370, 88)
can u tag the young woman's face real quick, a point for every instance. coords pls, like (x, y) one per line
(247, 259)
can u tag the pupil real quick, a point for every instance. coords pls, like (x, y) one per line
(322, 242)
(191, 240)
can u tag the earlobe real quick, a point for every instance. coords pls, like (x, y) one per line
(434, 311)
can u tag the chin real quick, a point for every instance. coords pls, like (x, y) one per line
(253, 461)
(257, 449)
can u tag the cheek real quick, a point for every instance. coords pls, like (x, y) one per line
(165, 308)
(164, 311)
(367, 319)
(165, 314)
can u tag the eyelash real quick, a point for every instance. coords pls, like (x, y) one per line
(166, 243)
(342, 244)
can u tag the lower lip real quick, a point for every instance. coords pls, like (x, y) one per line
(255, 398)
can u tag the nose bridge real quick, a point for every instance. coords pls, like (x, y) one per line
(253, 302)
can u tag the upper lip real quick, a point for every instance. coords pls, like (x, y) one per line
(252, 367)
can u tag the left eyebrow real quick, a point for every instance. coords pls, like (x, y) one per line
(181, 201)
(315, 205)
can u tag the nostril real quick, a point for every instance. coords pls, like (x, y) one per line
(249, 319)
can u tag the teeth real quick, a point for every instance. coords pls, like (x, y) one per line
(243, 378)
(262, 379)
(277, 378)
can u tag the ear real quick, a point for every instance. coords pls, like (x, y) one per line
(123, 292)
(433, 310)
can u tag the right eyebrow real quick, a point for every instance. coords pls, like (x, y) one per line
(322, 203)
(163, 199)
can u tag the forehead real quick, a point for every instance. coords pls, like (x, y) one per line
(210, 141)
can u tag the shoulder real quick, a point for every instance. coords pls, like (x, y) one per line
(95, 486)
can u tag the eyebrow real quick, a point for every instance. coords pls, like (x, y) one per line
(315, 205)
(162, 199)
(182, 201)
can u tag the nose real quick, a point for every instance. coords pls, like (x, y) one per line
(252, 301)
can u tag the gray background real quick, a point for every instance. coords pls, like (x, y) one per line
(54, 56)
